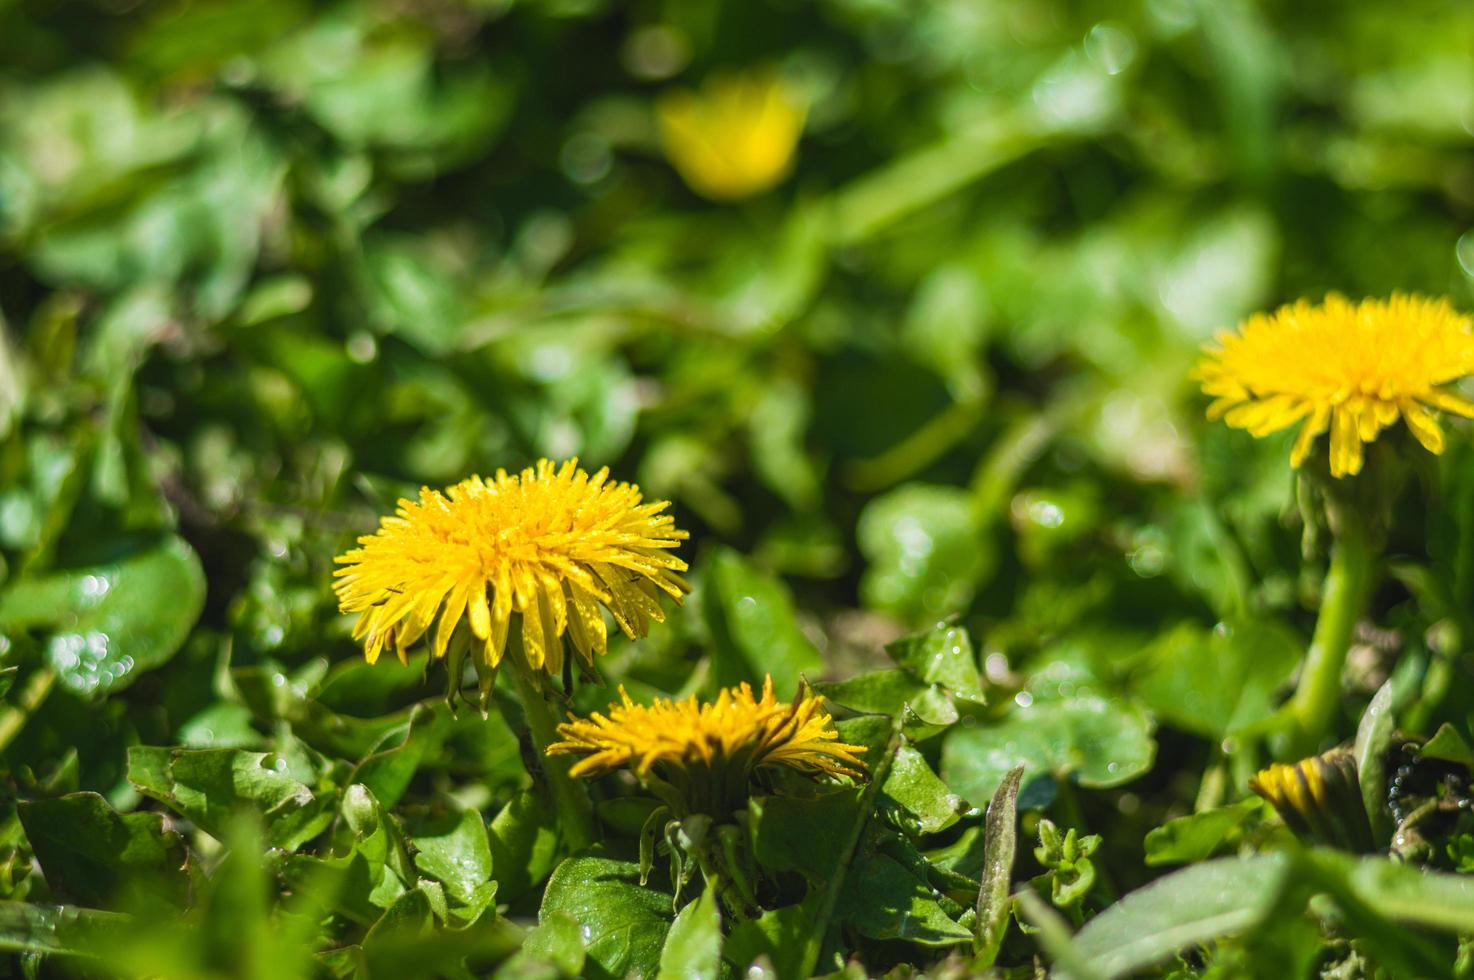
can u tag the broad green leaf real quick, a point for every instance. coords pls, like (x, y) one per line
(999, 848)
(1195, 905)
(883, 900)
(753, 627)
(209, 786)
(693, 947)
(91, 852)
(1197, 836)
(112, 621)
(943, 656)
(911, 783)
(624, 924)
(1449, 745)
(1220, 681)
(1063, 728)
(453, 849)
(926, 554)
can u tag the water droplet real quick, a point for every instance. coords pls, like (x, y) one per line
(1110, 46)
(1023, 699)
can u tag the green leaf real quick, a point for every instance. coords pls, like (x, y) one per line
(388, 771)
(91, 852)
(1067, 730)
(1407, 893)
(999, 848)
(778, 934)
(454, 850)
(943, 655)
(1054, 936)
(882, 900)
(209, 786)
(1373, 736)
(1221, 681)
(558, 940)
(624, 924)
(1447, 744)
(754, 629)
(693, 947)
(57, 930)
(1197, 836)
(112, 621)
(386, 943)
(911, 783)
(926, 554)
(928, 709)
(524, 844)
(807, 834)
(1195, 905)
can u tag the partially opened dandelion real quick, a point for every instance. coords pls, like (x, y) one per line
(1350, 369)
(703, 757)
(551, 545)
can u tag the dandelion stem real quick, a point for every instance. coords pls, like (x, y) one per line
(1348, 582)
(570, 800)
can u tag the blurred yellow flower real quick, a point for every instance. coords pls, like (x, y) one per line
(1350, 368)
(736, 137)
(551, 543)
(708, 752)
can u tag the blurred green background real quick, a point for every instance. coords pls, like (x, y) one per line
(267, 265)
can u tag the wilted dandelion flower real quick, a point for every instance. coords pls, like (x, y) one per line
(1348, 368)
(701, 757)
(735, 138)
(552, 544)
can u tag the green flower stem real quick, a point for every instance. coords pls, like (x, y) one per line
(570, 799)
(1347, 585)
(13, 717)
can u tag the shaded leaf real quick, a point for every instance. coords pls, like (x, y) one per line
(121, 618)
(882, 900)
(90, 851)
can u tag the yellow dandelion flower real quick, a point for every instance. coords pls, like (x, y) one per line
(709, 752)
(733, 139)
(1348, 368)
(552, 544)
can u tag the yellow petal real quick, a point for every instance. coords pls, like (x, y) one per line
(1423, 426)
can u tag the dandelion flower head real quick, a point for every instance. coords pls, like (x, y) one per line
(735, 138)
(1350, 369)
(710, 750)
(552, 544)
